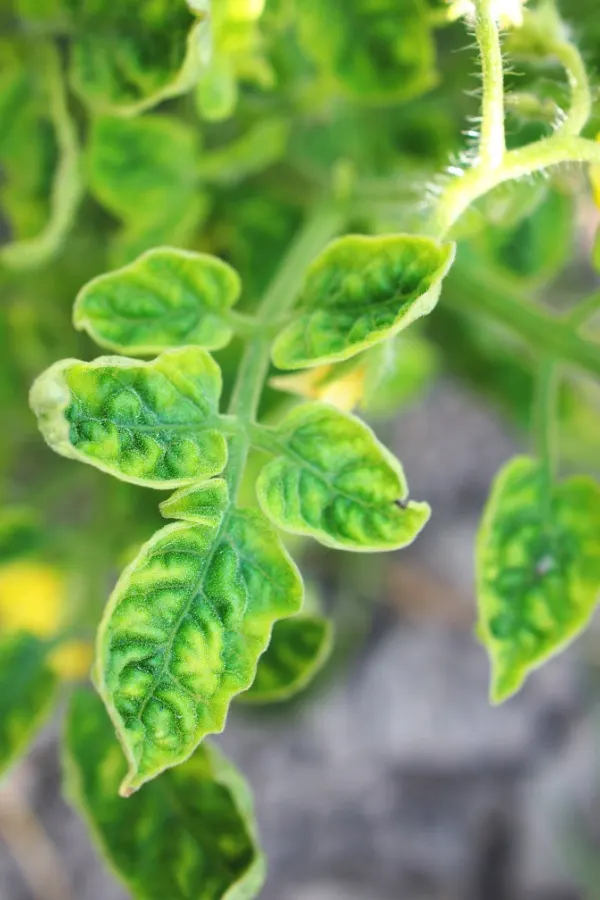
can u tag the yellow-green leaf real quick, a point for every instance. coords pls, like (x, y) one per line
(380, 51)
(334, 481)
(166, 298)
(186, 625)
(538, 569)
(191, 835)
(152, 423)
(145, 172)
(27, 693)
(299, 648)
(117, 68)
(359, 291)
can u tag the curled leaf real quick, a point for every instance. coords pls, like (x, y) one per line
(166, 298)
(151, 423)
(191, 835)
(360, 291)
(332, 480)
(186, 625)
(123, 70)
(299, 648)
(27, 693)
(538, 569)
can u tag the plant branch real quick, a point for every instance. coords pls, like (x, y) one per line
(545, 418)
(524, 161)
(491, 142)
(581, 95)
(478, 292)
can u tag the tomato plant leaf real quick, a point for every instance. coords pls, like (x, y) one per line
(186, 625)
(145, 172)
(166, 298)
(27, 693)
(359, 291)
(374, 52)
(119, 69)
(192, 834)
(299, 648)
(334, 481)
(538, 569)
(151, 423)
(42, 169)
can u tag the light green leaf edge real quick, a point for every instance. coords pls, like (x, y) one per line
(83, 319)
(304, 675)
(421, 306)
(194, 61)
(225, 774)
(182, 505)
(21, 644)
(270, 440)
(67, 186)
(496, 695)
(49, 397)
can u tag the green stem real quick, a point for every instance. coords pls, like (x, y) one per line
(545, 418)
(584, 311)
(581, 95)
(320, 228)
(474, 289)
(536, 157)
(491, 142)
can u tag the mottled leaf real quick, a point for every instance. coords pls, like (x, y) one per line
(190, 835)
(151, 423)
(380, 51)
(118, 68)
(334, 481)
(145, 172)
(186, 624)
(359, 291)
(298, 649)
(538, 569)
(27, 693)
(39, 149)
(166, 298)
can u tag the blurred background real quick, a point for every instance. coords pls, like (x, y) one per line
(391, 777)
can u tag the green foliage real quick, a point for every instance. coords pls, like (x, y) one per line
(298, 649)
(186, 624)
(360, 291)
(538, 569)
(123, 416)
(190, 835)
(27, 694)
(334, 481)
(381, 52)
(151, 152)
(166, 298)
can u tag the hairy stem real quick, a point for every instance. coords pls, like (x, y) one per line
(477, 291)
(491, 142)
(581, 95)
(536, 157)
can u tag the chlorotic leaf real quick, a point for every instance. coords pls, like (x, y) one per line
(217, 90)
(374, 52)
(192, 834)
(186, 625)
(66, 187)
(538, 569)
(166, 298)
(359, 291)
(334, 481)
(151, 423)
(27, 693)
(145, 172)
(123, 70)
(299, 648)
